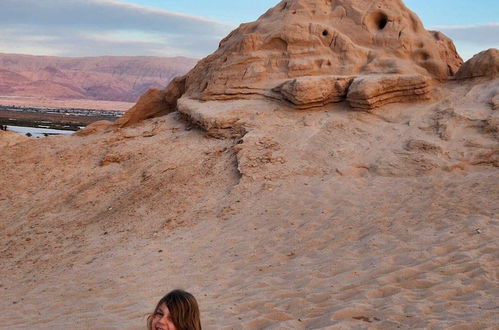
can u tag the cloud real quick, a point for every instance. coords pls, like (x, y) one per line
(112, 27)
(478, 34)
(104, 27)
(471, 39)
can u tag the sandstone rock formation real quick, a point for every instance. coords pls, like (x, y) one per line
(308, 52)
(154, 103)
(300, 38)
(151, 104)
(484, 64)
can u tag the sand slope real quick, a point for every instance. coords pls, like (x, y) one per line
(323, 218)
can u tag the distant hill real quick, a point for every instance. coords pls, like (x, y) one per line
(110, 78)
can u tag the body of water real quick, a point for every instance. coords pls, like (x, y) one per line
(37, 132)
(38, 122)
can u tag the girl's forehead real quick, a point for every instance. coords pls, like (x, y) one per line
(163, 308)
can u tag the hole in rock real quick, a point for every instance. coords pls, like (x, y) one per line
(325, 33)
(382, 21)
(284, 6)
(377, 21)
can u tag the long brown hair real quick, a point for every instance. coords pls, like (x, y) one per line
(184, 310)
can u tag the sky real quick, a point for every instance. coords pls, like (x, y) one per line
(193, 28)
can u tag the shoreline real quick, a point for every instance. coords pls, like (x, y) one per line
(69, 111)
(36, 102)
(78, 117)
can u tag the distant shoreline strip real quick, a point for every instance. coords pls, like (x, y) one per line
(80, 112)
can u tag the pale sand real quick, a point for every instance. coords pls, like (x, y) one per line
(326, 219)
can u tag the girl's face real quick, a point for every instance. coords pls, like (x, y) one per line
(162, 320)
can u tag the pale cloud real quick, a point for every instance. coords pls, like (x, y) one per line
(479, 34)
(111, 27)
(472, 39)
(104, 27)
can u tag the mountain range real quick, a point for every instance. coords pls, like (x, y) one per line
(109, 78)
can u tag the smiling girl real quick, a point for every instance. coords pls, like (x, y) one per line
(178, 310)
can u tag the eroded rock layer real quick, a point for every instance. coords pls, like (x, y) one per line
(369, 92)
(307, 92)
